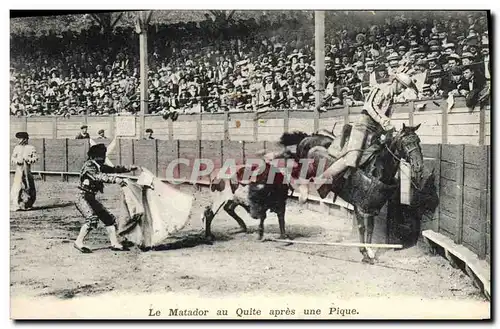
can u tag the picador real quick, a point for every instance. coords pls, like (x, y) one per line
(373, 121)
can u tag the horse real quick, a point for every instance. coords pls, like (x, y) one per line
(256, 197)
(305, 142)
(373, 183)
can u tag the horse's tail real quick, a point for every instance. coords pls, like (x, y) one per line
(293, 138)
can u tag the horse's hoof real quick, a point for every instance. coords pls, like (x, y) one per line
(210, 238)
(368, 260)
(283, 237)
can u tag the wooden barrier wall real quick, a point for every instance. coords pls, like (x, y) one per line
(463, 177)
(462, 174)
(460, 125)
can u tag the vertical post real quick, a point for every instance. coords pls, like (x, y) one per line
(133, 150)
(155, 145)
(112, 126)
(44, 157)
(177, 173)
(119, 151)
(143, 55)
(54, 127)
(170, 124)
(438, 183)
(198, 127)
(25, 124)
(221, 145)
(286, 120)
(319, 49)
(411, 113)
(316, 120)
(256, 127)
(482, 126)
(460, 193)
(226, 126)
(483, 203)
(66, 160)
(243, 153)
(142, 126)
(444, 125)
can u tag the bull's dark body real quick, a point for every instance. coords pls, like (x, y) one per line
(262, 197)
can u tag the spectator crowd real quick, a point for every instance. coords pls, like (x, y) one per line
(245, 65)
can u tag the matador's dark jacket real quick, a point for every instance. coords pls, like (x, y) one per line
(93, 176)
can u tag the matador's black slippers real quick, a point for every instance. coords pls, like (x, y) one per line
(122, 248)
(83, 249)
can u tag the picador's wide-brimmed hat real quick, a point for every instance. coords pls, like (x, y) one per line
(406, 81)
(97, 150)
(22, 134)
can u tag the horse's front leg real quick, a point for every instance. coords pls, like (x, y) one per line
(281, 221)
(360, 218)
(370, 223)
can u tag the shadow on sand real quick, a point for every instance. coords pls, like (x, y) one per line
(51, 206)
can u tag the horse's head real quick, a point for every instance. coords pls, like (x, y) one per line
(406, 145)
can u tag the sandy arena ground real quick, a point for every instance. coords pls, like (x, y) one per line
(44, 263)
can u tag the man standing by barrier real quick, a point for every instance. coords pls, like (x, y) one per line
(23, 192)
(149, 134)
(101, 135)
(93, 175)
(83, 134)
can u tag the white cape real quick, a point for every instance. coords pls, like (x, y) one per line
(152, 210)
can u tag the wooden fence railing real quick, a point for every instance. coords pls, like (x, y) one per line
(462, 174)
(439, 125)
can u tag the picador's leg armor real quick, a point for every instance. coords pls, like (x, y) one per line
(376, 107)
(353, 152)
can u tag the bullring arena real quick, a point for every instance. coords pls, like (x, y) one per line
(444, 272)
(44, 263)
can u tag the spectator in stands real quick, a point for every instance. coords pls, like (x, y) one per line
(191, 66)
(472, 85)
(454, 82)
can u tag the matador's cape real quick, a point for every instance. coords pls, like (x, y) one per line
(151, 210)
